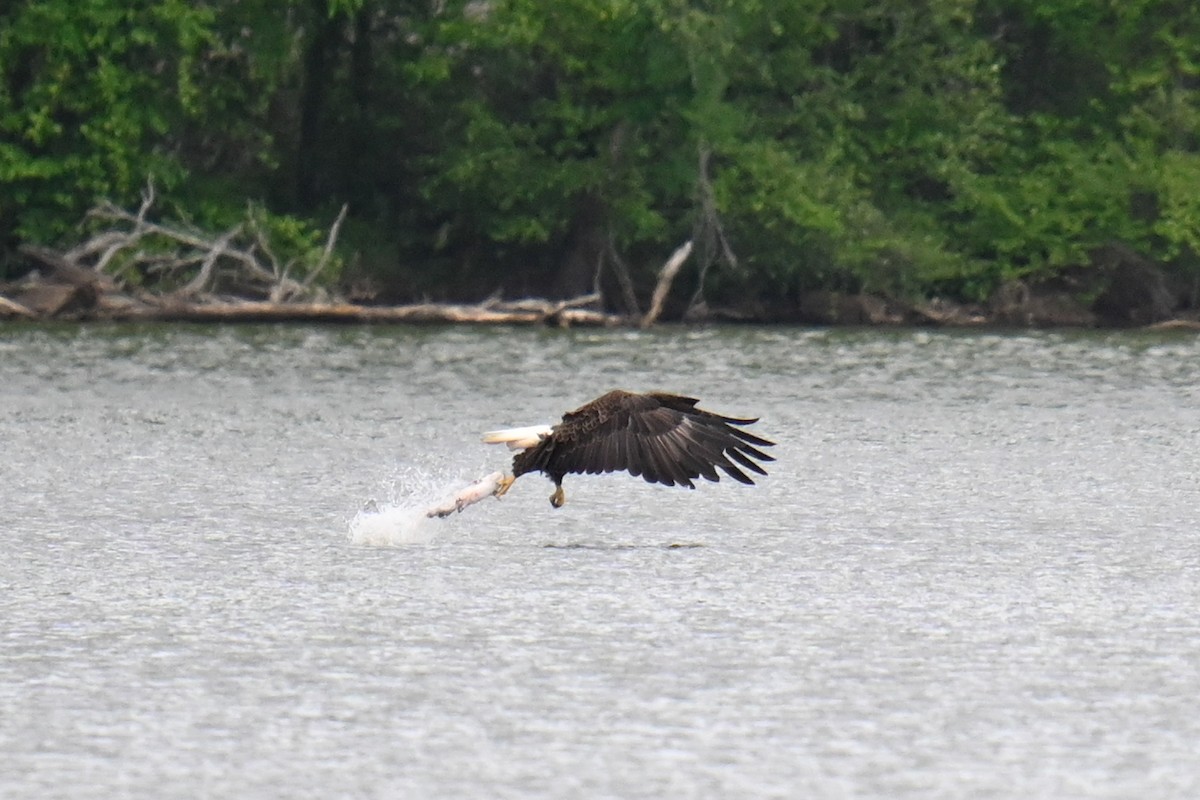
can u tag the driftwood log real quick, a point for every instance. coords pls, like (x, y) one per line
(11, 308)
(528, 313)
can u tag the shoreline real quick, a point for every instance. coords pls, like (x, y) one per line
(66, 304)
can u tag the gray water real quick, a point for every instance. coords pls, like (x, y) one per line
(973, 572)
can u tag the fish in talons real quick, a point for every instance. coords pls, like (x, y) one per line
(492, 485)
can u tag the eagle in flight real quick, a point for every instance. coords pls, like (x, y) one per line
(661, 437)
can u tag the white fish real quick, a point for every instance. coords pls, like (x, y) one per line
(487, 486)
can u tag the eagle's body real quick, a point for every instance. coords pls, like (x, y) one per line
(662, 438)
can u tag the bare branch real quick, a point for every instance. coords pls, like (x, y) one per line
(147, 202)
(665, 278)
(621, 271)
(710, 231)
(329, 245)
(204, 276)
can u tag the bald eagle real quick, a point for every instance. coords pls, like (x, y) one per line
(663, 438)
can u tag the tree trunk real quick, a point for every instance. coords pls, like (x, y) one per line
(318, 58)
(586, 245)
(357, 178)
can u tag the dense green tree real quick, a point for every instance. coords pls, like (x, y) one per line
(542, 146)
(826, 135)
(90, 93)
(98, 98)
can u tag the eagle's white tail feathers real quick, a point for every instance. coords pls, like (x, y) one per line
(518, 438)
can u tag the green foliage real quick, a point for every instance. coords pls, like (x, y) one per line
(1177, 185)
(559, 102)
(907, 148)
(88, 90)
(1105, 151)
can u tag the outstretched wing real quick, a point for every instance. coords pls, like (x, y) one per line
(663, 438)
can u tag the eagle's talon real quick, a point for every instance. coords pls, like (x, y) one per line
(503, 485)
(558, 498)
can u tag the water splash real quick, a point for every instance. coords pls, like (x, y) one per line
(404, 517)
(392, 525)
(399, 519)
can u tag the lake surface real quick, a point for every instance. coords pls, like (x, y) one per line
(973, 572)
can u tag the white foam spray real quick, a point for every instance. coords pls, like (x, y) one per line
(405, 518)
(392, 525)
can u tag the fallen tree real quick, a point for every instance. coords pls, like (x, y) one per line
(136, 268)
(527, 312)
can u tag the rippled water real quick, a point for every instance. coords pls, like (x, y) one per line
(973, 572)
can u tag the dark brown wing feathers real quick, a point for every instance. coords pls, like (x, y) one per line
(662, 438)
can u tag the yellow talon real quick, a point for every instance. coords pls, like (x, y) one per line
(558, 498)
(503, 485)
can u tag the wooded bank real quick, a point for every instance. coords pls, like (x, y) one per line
(855, 161)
